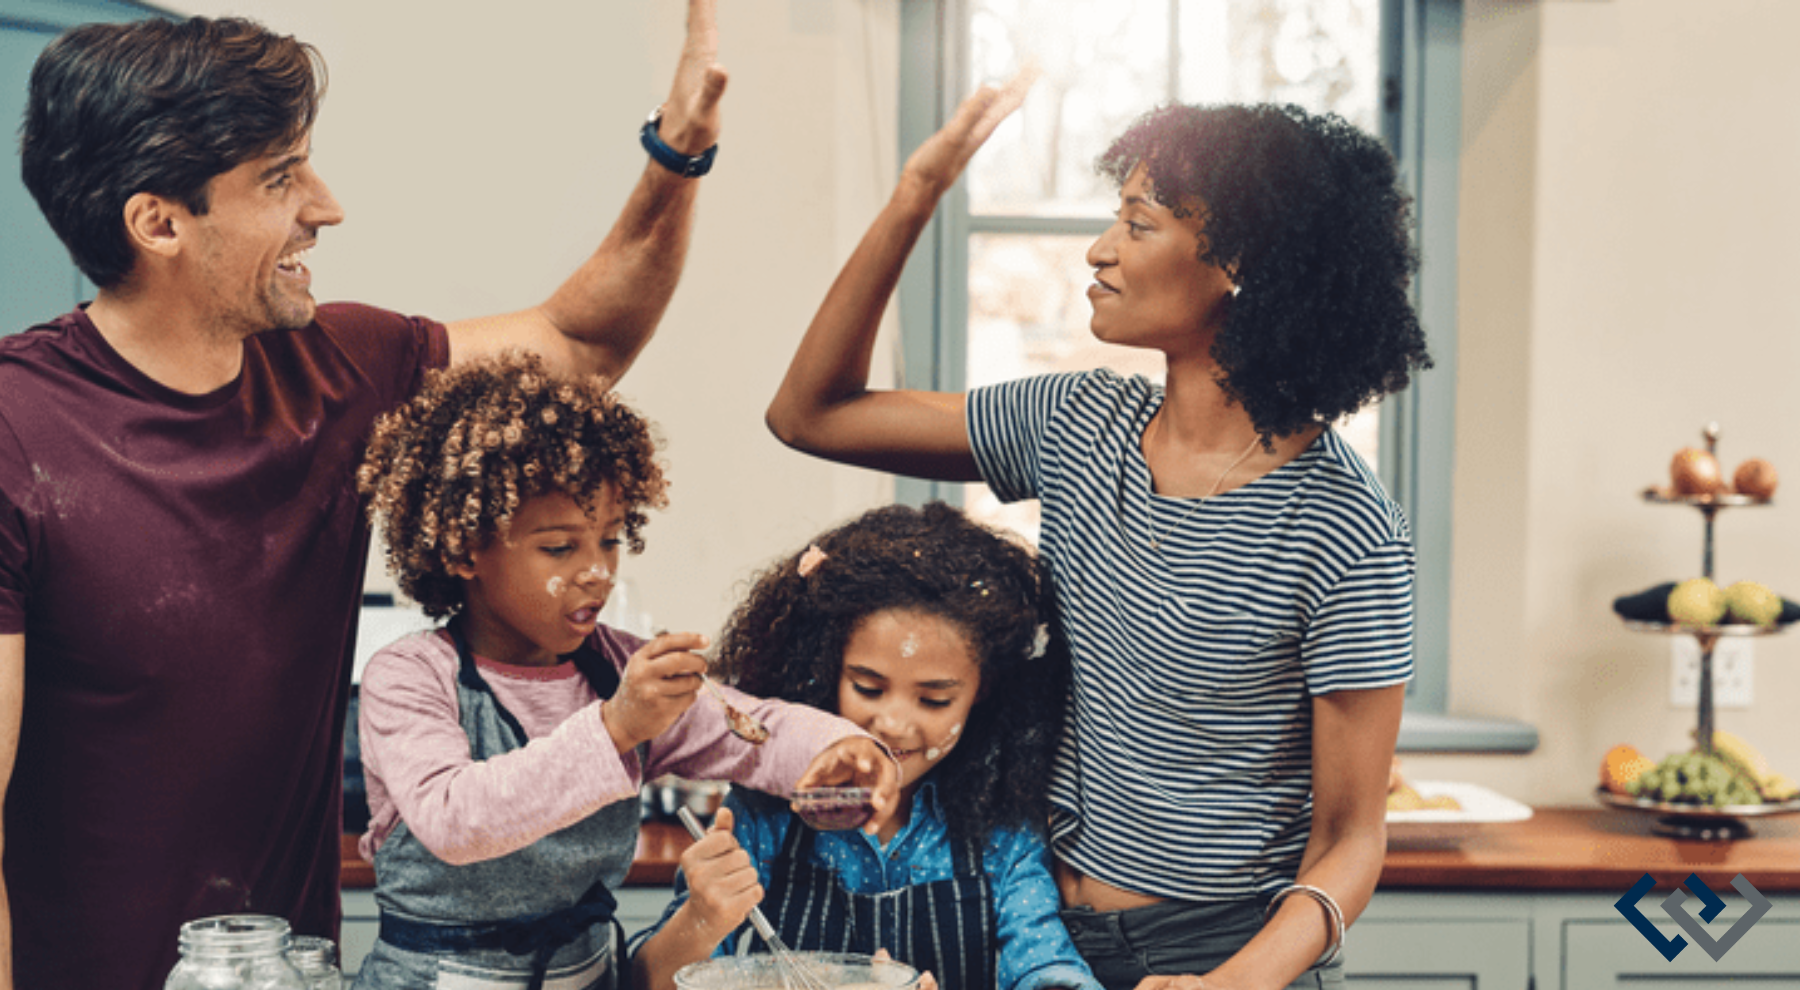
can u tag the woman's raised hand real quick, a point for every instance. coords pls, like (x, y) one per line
(936, 163)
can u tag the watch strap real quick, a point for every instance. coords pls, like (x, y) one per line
(687, 166)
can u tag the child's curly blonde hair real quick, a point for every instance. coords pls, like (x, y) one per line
(445, 472)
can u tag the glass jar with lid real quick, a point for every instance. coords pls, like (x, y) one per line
(316, 959)
(235, 952)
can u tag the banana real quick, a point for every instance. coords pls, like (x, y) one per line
(1746, 759)
(1778, 787)
(1742, 756)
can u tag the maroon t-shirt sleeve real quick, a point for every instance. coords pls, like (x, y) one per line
(395, 351)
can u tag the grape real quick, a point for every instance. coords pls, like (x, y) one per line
(1697, 779)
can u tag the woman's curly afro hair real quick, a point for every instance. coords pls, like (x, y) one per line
(1305, 214)
(787, 639)
(445, 473)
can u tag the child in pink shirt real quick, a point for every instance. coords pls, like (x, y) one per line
(504, 752)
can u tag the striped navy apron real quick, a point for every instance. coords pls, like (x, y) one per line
(538, 917)
(943, 926)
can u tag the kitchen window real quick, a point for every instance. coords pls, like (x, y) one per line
(995, 289)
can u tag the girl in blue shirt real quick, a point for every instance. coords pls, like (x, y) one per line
(928, 631)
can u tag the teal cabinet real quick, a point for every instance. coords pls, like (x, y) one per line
(37, 279)
(1440, 941)
(1529, 940)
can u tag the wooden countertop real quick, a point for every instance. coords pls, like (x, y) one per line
(1556, 849)
(1592, 849)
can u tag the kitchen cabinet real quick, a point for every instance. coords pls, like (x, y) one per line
(1531, 905)
(1540, 940)
(357, 936)
(1435, 941)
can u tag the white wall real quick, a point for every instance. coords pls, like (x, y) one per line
(1629, 204)
(482, 150)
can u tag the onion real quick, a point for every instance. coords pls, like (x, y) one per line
(1695, 472)
(1755, 477)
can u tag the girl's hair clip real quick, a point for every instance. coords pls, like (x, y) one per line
(810, 560)
(1040, 643)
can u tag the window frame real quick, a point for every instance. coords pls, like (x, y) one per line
(1421, 120)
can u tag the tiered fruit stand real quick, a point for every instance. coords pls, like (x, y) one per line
(1692, 821)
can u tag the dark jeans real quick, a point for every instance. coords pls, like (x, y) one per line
(1174, 937)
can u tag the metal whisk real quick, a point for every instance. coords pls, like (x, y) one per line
(796, 973)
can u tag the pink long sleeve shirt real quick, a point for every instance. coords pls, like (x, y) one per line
(418, 766)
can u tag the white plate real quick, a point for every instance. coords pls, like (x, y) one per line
(1479, 805)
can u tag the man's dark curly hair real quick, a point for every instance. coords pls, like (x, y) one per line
(1305, 214)
(445, 473)
(787, 638)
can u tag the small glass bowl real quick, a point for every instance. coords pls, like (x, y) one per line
(833, 809)
(760, 971)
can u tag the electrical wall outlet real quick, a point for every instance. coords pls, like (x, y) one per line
(1733, 670)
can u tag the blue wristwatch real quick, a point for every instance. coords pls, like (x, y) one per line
(687, 166)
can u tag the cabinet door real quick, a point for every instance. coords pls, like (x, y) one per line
(1603, 955)
(1399, 953)
(641, 907)
(362, 924)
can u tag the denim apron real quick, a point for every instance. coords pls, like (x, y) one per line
(943, 926)
(539, 917)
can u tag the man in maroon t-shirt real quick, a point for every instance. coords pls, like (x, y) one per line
(181, 546)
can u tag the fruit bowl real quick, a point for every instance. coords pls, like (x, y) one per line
(1665, 496)
(1698, 821)
(1722, 629)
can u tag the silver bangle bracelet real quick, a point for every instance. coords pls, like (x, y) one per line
(1335, 944)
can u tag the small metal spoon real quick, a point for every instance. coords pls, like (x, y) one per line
(743, 726)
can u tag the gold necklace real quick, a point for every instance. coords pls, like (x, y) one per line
(1150, 521)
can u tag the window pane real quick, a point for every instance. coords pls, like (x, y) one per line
(1322, 54)
(1103, 63)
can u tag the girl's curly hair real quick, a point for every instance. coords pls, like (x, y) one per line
(1305, 214)
(445, 472)
(787, 640)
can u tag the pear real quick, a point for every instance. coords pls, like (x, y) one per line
(1750, 602)
(1697, 602)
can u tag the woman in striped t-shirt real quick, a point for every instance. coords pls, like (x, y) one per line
(1236, 586)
